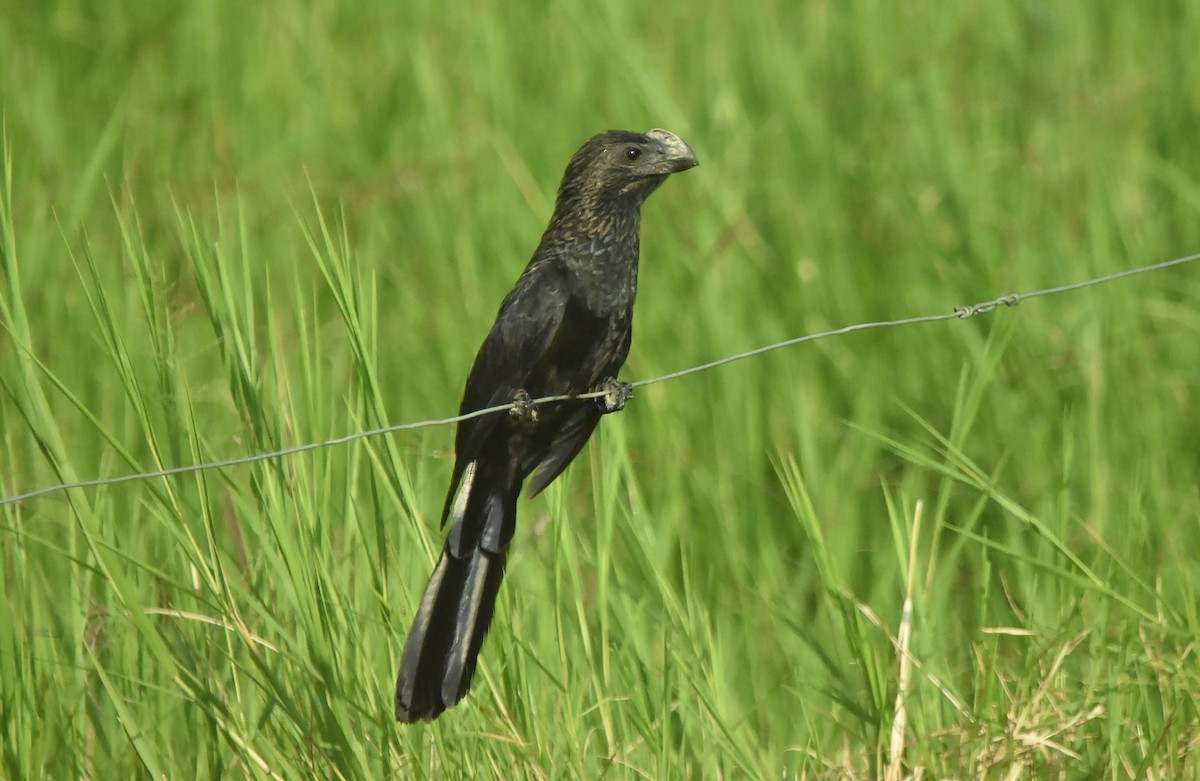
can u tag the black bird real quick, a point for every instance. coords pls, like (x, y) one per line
(563, 330)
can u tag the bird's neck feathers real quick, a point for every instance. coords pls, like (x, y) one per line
(590, 217)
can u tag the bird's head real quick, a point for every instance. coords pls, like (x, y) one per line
(620, 167)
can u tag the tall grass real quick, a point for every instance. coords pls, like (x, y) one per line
(226, 228)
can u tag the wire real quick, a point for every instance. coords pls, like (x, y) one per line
(961, 312)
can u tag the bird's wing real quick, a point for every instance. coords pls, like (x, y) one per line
(567, 443)
(526, 326)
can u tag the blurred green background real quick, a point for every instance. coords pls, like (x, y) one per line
(231, 227)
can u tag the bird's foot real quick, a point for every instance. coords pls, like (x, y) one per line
(616, 393)
(523, 408)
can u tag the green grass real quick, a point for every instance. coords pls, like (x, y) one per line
(227, 228)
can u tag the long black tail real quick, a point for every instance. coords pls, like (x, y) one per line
(456, 611)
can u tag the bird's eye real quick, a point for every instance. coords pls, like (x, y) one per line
(633, 153)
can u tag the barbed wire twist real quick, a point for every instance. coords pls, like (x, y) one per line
(959, 312)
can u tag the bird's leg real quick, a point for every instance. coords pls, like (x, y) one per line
(616, 393)
(523, 408)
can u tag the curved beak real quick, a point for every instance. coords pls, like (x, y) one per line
(676, 154)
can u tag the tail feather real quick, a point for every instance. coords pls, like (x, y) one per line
(443, 646)
(475, 609)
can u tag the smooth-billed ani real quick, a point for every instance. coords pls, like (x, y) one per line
(563, 329)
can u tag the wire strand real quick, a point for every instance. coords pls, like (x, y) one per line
(961, 312)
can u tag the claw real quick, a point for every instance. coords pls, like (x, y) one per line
(616, 393)
(523, 408)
